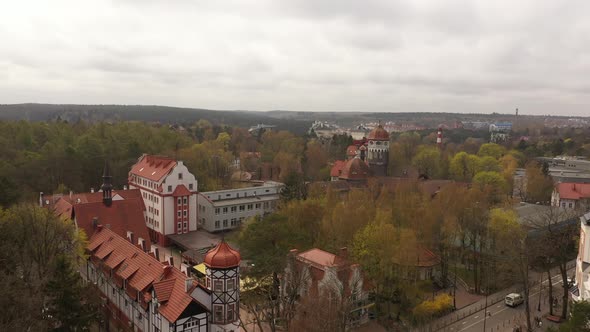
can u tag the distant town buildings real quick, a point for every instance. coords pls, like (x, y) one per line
(500, 131)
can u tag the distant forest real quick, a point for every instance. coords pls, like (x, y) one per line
(158, 114)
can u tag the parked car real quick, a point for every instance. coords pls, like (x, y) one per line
(513, 299)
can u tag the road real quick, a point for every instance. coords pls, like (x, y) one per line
(503, 318)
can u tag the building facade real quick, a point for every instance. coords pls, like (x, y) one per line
(581, 290)
(169, 192)
(318, 274)
(569, 195)
(227, 209)
(378, 151)
(140, 293)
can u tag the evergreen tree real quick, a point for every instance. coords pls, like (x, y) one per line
(68, 309)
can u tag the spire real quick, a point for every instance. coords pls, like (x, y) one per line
(107, 186)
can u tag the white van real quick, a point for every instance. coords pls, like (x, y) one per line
(513, 299)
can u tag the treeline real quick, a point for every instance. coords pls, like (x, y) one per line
(56, 157)
(146, 113)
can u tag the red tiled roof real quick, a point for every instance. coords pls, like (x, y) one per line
(164, 289)
(379, 134)
(144, 270)
(570, 190)
(355, 169)
(152, 167)
(122, 216)
(63, 206)
(320, 257)
(222, 256)
(337, 168)
(181, 191)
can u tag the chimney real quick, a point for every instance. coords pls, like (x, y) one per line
(125, 187)
(294, 252)
(71, 193)
(78, 200)
(41, 199)
(130, 236)
(141, 243)
(94, 222)
(92, 190)
(99, 228)
(344, 252)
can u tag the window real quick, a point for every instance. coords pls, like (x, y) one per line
(178, 213)
(190, 186)
(184, 213)
(184, 225)
(234, 221)
(179, 201)
(180, 176)
(225, 223)
(216, 210)
(139, 317)
(216, 223)
(230, 313)
(242, 208)
(224, 210)
(217, 286)
(234, 209)
(113, 290)
(571, 205)
(249, 206)
(218, 316)
(257, 205)
(231, 284)
(126, 303)
(184, 200)
(265, 205)
(169, 188)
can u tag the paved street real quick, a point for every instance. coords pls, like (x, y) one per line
(503, 318)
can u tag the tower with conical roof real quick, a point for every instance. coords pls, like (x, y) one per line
(378, 151)
(107, 185)
(222, 273)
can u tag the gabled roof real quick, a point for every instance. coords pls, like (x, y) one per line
(337, 168)
(351, 150)
(355, 169)
(181, 191)
(321, 258)
(153, 168)
(141, 270)
(64, 205)
(121, 216)
(571, 190)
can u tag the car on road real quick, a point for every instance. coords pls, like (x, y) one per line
(513, 299)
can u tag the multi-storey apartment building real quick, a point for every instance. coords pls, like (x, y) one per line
(226, 209)
(169, 192)
(581, 290)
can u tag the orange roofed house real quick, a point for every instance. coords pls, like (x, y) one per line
(140, 293)
(321, 274)
(570, 195)
(122, 211)
(169, 192)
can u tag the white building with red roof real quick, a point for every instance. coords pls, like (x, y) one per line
(144, 294)
(571, 195)
(169, 193)
(324, 274)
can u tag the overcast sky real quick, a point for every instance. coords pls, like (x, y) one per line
(316, 55)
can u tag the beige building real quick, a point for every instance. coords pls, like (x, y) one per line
(227, 209)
